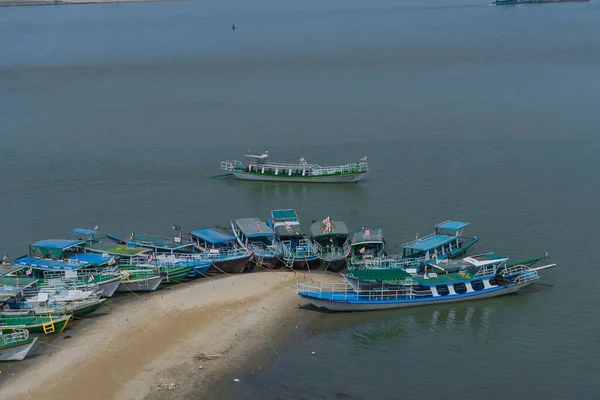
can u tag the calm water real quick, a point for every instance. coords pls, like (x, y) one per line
(119, 114)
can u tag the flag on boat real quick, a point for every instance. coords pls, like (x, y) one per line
(257, 226)
(131, 236)
(111, 261)
(363, 158)
(151, 258)
(302, 161)
(28, 272)
(327, 225)
(91, 278)
(96, 227)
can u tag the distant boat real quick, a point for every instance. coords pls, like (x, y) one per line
(259, 169)
(412, 290)
(15, 344)
(298, 250)
(514, 2)
(259, 238)
(332, 242)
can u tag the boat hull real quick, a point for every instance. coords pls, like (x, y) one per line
(345, 178)
(231, 266)
(140, 285)
(83, 309)
(306, 263)
(175, 274)
(34, 325)
(272, 262)
(352, 303)
(108, 287)
(17, 351)
(335, 265)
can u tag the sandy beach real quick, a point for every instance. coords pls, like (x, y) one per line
(184, 337)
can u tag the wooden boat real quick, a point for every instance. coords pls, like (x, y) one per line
(256, 235)
(259, 169)
(34, 322)
(367, 244)
(15, 344)
(332, 242)
(65, 258)
(221, 249)
(75, 301)
(139, 279)
(419, 290)
(298, 250)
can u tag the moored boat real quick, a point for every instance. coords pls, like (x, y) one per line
(222, 250)
(367, 244)
(417, 290)
(35, 322)
(259, 238)
(259, 169)
(15, 344)
(332, 242)
(298, 250)
(139, 279)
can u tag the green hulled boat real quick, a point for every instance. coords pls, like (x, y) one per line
(174, 274)
(139, 279)
(35, 322)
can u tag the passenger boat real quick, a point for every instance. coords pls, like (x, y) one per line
(54, 320)
(418, 290)
(138, 278)
(15, 344)
(66, 259)
(367, 244)
(259, 169)
(255, 235)
(332, 242)
(222, 250)
(298, 250)
(75, 301)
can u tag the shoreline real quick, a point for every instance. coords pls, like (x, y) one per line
(144, 346)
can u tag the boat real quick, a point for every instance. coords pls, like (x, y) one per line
(15, 344)
(65, 258)
(255, 235)
(515, 2)
(298, 251)
(139, 278)
(419, 290)
(259, 169)
(54, 320)
(332, 242)
(221, 249)
(75, 301)
(367, 244)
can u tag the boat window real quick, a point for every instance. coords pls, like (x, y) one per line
(442, 290)
(460, 288)
(477, 285)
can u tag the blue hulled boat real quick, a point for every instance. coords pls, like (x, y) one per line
(255, 235)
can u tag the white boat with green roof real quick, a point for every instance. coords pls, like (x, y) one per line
(260, 169)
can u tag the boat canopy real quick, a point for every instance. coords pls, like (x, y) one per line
(114, 249)
(387, 274)
(158, 243)
(459, 277)
(212, 236)
(367, 235)
(9, 269)
(10, 287)
(92, 258)
(485, 259)
(83, 231)
(429, 242)
(289, 230)
(58, 244)
(256, 158)
(288, 215)
(329, 228)
(452, 225)
(51, 265)
(253, 227)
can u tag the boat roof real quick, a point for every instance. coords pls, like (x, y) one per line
(9, 269)
(92, 258)
(337, 228)
(485, 259)
(83, 231)
(62, 244)
(45, 264)
(387, 274)
(115, 249)
(452, 225)
(429, 242)
(289, 230)
(261, 156)
(458, 277)
(253, 227)
(213, 236)
(11, 287)
(366, 235)
(284, 215)
(157, 242)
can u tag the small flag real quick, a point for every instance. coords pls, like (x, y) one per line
(257, 226)
(111, 261)
(91, 278)
(302, 161)
(363, 158)
(151, 258)
(28, 272)
(96, 227)
(131, 236)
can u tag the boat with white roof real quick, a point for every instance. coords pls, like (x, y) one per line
(260, 169)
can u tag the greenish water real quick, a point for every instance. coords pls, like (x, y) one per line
(119, 114)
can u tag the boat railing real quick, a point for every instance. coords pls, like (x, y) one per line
(527, 276)
(394, 261)
(231, 165)
(303, 249)
(331, 252)
(515, 269)
(17, 335)
(344, 291)
(341, 169)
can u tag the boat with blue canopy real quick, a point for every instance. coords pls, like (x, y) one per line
(410, 290)
(221, 249)
(66, 259)
(298, 251)
(332, 242)
(255, 234)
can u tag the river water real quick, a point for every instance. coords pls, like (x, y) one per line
(118, 115)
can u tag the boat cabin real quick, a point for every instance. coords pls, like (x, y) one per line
(175, 244)
(446, 242)
(214, 240)
(328, 234)
(252, 232)
(367, 243)
(106, 246)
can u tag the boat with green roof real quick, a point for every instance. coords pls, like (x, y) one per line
(259, 169)
(332, 242)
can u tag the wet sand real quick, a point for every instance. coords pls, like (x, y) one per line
(143, 346)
